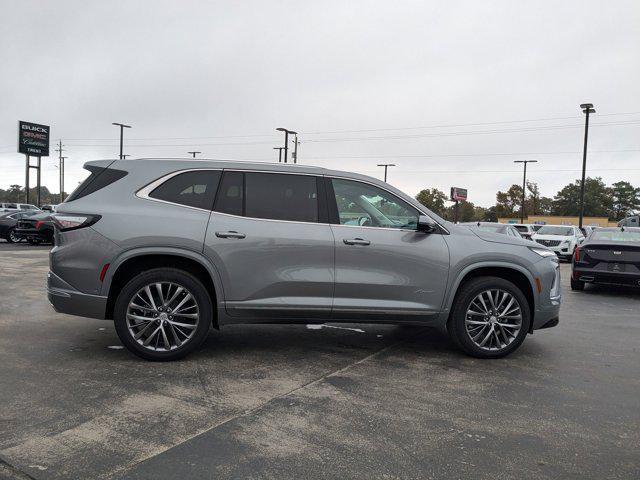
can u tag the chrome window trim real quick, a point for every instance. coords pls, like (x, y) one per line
(147, 189)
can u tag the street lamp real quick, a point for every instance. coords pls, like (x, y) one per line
(286, 140)
(587, 108)
(193, 154)
(122, 127)
(524, 185)
(386, 165)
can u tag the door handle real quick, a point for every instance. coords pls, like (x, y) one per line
(356, 241)
(230, 234)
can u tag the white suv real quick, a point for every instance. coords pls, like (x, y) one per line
(16, 207)
(562, 239)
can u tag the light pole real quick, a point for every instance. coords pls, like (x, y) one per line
(193, 154)
(279, 153)
(524, 186)
(286, 140)
(587, 108)
(295, 149)
(386, 166)
(62, 159)
(122, 127)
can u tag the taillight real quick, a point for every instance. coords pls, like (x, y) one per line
(71, 222)
(39, 223)
(576, 254)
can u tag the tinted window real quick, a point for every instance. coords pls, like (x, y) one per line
(194, 189)
(230, 197)
(10, 205)
(281, 197)
(521, 228)
(99, 178)
(369, 206)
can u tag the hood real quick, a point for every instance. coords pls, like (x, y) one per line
(562, 238)
(501, 238)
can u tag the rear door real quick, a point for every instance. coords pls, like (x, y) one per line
(385, 269)
(269, 238)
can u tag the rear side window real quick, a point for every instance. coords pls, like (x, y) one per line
(231, 194)
(99, 178)
(281, 197)
(193, 189)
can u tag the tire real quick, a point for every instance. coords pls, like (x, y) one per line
(157, 350)
(505, 339)
(577, 285)
(11, 236)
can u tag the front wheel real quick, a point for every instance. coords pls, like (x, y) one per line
(490, 318)
(12, 237)
(163, 314)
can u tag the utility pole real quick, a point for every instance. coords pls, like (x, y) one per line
(122, 127)
(62, 159)
(295, 149)
(279, 153)
(587, 108)
(524, 186)
(193, 154)
(61, 168)
(386, 165)
(286, 140)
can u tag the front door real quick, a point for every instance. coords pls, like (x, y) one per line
(266, 238)
(385, 269)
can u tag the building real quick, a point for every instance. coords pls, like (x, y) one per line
(558, 220)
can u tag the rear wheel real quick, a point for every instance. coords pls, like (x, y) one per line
(577, 284)
(11, 236)
(163, 314)
(490, 318)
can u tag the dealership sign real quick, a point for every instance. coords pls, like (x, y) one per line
(33, 139)
(458, 194)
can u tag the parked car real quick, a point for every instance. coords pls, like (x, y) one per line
(501, 228)
(587, 229)
(35, 229)
(17, 207)
(609, 255)
(632, 221)
(526, 229)
(562, 239)
(49, 208)
(8, 223)
(168, 248)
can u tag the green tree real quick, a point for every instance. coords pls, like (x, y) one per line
(508, 203)
(625, 200)
(597, 199)
(433, 199)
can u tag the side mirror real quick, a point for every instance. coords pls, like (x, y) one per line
(426, 225)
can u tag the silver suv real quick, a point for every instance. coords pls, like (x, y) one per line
(168, 248)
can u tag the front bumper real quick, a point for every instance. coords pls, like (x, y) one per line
(66, 299)
(547, 312)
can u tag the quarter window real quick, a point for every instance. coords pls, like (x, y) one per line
(365, 205)
(193, 189)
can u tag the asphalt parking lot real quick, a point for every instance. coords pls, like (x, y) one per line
(359, 401)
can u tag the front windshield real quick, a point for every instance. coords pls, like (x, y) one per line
(490, 228)
(616, 236)
(561, 231)
(521, 228)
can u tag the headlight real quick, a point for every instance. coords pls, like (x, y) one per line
(543, 252)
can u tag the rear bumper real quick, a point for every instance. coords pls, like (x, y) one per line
(66, 299)
(32, 234)
(606, 277)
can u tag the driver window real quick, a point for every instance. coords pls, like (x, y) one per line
(364, 205)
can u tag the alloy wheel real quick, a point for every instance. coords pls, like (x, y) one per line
(162, 316)
(13, 237)
(493, 319)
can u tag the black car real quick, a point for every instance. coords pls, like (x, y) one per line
(8, 223)
(502, 228)
(609, 255)
(35, 229)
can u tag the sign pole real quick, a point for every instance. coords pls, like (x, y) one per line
(26, 179)
(456, 213)
(38, 181)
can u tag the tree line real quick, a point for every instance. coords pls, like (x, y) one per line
(616, 202)
(16, 194)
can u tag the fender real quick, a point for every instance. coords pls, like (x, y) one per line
(453, 289)
(159, 250)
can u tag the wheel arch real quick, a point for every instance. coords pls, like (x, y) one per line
(133, 262)
(516, 274)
